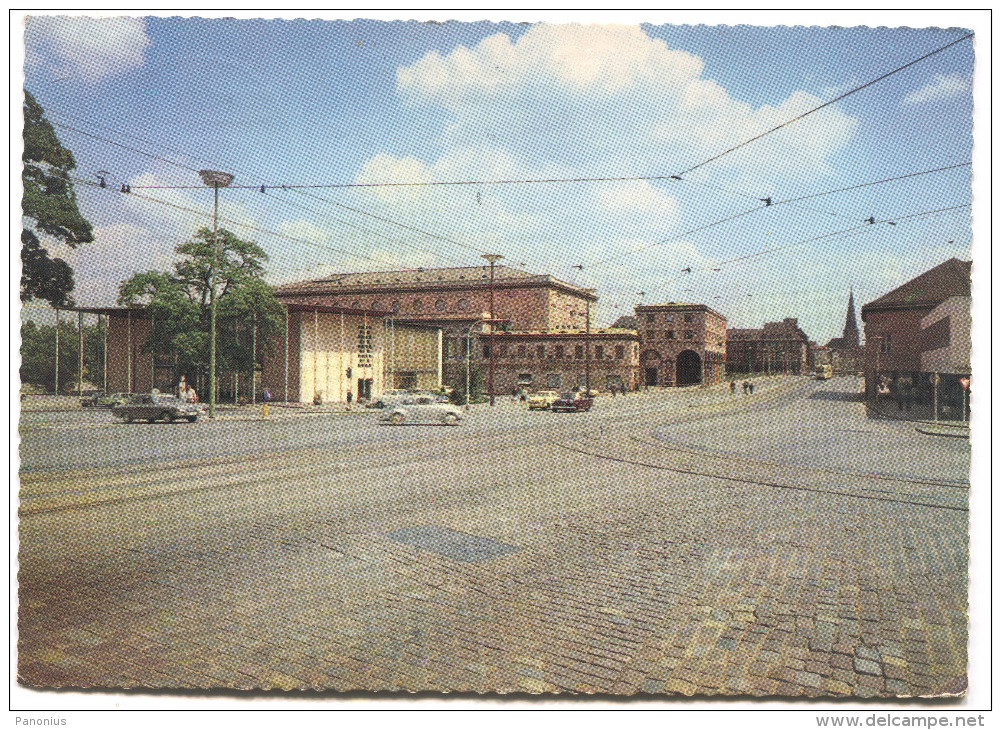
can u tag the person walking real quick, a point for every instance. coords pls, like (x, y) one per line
(750, 388)
(733, 387)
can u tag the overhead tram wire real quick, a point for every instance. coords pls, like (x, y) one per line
(864, 226)
(248, 226)
(366, 230)
(263, 188)
(822, 106)
(773, 204)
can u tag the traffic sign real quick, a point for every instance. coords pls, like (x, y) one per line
(965, 382)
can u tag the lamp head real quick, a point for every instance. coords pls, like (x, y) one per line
(215, 178)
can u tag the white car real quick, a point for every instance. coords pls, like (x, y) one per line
(420, 409)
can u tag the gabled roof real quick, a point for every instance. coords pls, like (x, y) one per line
(949, 279)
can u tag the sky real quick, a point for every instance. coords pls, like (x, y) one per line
(326, 102)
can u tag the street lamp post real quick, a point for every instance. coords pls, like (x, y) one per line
(492, 258)
(214, 179)
(587, 343)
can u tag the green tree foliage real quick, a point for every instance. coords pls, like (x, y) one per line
(38, 354)
(49, 204)
(178, 303)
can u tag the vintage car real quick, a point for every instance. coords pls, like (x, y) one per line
(105, 400)
(542, 400)
(420, 409)
(154, 407)
(572, 402)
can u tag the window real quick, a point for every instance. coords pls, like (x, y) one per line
(670, 334)
(688, 318)
(668, 317)
(418, 305)
(521, 351)
(599, 352)
(440, 305)
(578, 352)
(689, 335)
(356, 305)
(885, 343)
(486, 351)
(559, 352)
(364, 347)
(620, 352)
(463, 305)
(650, 318)
(540, 351)
(524, 378)
(396, 305)
(377, 305)
(553, 381)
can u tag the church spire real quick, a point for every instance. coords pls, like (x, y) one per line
(850, 338)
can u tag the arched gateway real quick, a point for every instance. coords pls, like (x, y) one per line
(689, 368)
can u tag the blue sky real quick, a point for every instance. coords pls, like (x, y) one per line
(296, 102)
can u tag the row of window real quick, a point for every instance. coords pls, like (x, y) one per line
(417, 305)
(670, 334)
(559, 352)
(651, 317)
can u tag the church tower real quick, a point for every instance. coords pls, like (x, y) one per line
(850, 338)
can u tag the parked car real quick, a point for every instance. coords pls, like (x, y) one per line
(105, 400)
(572, 402)
(420, 409)
(542, 400)
(155, 408)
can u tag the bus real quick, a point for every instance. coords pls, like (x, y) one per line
(824, 372)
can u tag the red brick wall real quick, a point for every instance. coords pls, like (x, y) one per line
(119, 338)
(273, 368)
(904, 328)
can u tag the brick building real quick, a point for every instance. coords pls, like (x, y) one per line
(455, 301)
(559, 360)
(921, 325)
(681, 344)
(777, 347)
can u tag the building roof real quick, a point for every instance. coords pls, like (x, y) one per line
(675, 306)
(743, 334)
(626, 321)
(949, 279)
(786, 329)
(428, 279)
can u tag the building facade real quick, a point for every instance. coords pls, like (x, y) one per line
(920, 325)
(454, 301)
(601, 360)
(778, 347)
(681, 343)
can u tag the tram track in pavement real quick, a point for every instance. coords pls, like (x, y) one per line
(643, 450)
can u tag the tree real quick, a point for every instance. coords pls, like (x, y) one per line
(178, 305)
(49, 203)
(38, 354)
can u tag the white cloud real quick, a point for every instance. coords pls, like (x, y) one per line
(941, 86)
(91, 49)
(638, 196)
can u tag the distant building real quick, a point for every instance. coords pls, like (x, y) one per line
(921, 328)
(778, 347)
(558, 360)
(681, 344)
(845, 352)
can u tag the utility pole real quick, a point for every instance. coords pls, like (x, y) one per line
(215, 179)
(57, 351)
(79, 377)
(492, 258)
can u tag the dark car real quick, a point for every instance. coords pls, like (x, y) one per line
(572, 402)
(105, 400)
(156, 408)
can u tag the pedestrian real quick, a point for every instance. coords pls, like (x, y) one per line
(744, 385)
(613, 390)
(733, 387)
(349, 400)
(192, 395)
(750, 387)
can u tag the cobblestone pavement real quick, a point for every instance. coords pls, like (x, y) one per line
(607, 560)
